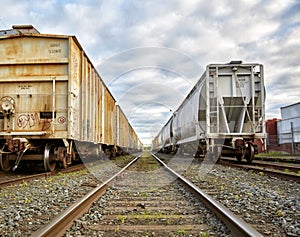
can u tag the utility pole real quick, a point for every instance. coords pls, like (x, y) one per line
(292, 131)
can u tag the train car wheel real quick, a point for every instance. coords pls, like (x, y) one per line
(49, 161)
(5, 163)
(250, 153)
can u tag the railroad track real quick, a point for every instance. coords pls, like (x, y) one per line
(282, 170)
(166, 207)
(284, 159)
(14, 179)
(279, 165)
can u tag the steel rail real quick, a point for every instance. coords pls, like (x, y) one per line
(272, 172)
(58, 225)
(267, 164)
(23, 179)
(286, 159)
(38, 176)
(236, 225)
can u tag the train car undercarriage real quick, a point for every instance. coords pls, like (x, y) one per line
(51, 152)
(214, 148)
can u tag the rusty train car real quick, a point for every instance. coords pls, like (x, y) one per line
(53, 102)
(125, 136)
(223, 114)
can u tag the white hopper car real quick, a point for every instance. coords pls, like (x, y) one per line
(222, 115)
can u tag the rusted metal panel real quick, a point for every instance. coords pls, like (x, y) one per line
(140, 145)
(99, 112)
(121, 128)
(91, 103)
(33, 73)
(95, 96)
(94, 104)
(126, 137)
(133, 139)
(33, 49)
(74, 99)
(109, 105)
(81, 90)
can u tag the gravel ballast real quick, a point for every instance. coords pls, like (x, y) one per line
(270, 204)
(147, 201)
(26, 207)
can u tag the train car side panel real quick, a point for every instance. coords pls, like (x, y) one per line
(76, 71)
(132, 138)
(186, 125)
(109, 106)
(91, 104)
(122, 129)
(34, 75)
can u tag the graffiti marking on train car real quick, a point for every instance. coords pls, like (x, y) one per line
(28, 120)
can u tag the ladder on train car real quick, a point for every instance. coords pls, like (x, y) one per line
(216, 108)
(213, 106)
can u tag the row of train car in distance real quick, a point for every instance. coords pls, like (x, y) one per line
(54, 104)
(223, 115)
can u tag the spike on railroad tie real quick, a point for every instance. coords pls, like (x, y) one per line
(141, 205)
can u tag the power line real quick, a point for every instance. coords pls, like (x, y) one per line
(3, 23)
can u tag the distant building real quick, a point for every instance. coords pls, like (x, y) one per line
(272, 138)
(284, 134)
(288, 127)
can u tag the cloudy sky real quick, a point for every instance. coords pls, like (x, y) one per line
(151, 53)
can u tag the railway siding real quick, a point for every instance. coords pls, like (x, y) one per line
(270, 204)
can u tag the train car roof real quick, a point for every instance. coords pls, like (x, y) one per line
(18, 30)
